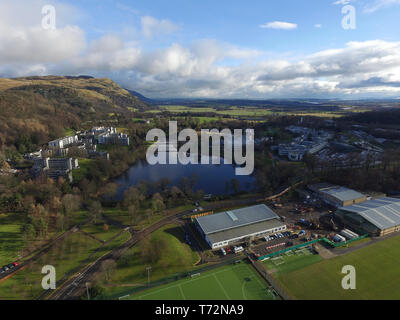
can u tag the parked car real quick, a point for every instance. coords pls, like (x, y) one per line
(238, 249)
(5, 268)
(10, 266)
(223, 251)
(16, 264)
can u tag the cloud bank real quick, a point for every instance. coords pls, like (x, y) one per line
(203, 68)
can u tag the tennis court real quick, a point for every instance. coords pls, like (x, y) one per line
(232, 282)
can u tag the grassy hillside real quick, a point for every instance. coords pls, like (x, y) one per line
(34, 110)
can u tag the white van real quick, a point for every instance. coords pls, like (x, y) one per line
(238, 249)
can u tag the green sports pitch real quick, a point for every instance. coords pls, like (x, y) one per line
(377, 274)
(232, 282)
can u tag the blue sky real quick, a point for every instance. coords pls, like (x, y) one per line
(188, 48)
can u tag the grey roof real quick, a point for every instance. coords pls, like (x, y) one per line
(342, 193)
(384, 213)
(235, 218)
(244, 230)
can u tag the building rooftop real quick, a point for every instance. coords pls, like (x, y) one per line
(340, 193)
(384, 213)
(343, 194)
(244, 230)
(235, 218)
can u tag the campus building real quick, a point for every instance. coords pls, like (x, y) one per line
(225, 228)
(114, 138)
(55, 167)
(376, 217)
(63, 142)
(337, 196)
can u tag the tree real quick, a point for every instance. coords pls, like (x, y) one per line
(108, 266)
(133, 214)
(157, 202)
(95, 210)
(71, 203)
(132, 196)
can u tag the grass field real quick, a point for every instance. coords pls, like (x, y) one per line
(377, 275)
(11, 241)
(232, 282)
(247, 111)
(291, 261)
(176, 257)
(99, 232)
(79, 174)
(65, 256)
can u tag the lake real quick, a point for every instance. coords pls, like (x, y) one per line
(210, 178)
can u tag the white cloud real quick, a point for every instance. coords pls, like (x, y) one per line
(318, 26)
(379, 4)
(342, 2)
(205, 68)
(279, 25)
(152, 27)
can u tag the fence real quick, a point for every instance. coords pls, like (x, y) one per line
(333, 244)
(201, 215)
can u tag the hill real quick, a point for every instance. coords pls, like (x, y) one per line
(34, 110)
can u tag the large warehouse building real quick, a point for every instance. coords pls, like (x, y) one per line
(337, 196)
(377, 217)
(225, 228)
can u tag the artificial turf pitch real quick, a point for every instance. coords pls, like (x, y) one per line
(231, 282)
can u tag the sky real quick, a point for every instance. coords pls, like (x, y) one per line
(256, 49)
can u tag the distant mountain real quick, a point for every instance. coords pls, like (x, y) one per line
(35, 109)
(142, 97)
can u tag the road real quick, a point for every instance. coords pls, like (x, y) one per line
(43, 251)
(76, 285)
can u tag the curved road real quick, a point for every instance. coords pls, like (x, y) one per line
(76, 285)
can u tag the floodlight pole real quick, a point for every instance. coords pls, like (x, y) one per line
(148, 275)
(87, 290)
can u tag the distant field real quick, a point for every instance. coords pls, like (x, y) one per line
(250, 111)
(377, 275)
(232, 282)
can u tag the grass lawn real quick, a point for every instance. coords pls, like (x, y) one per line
(231, 282)
(377, 275)
(80, 173)
(65, 257)
(290, 262)
(98, 231)
(11, 241)
(177, 257)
